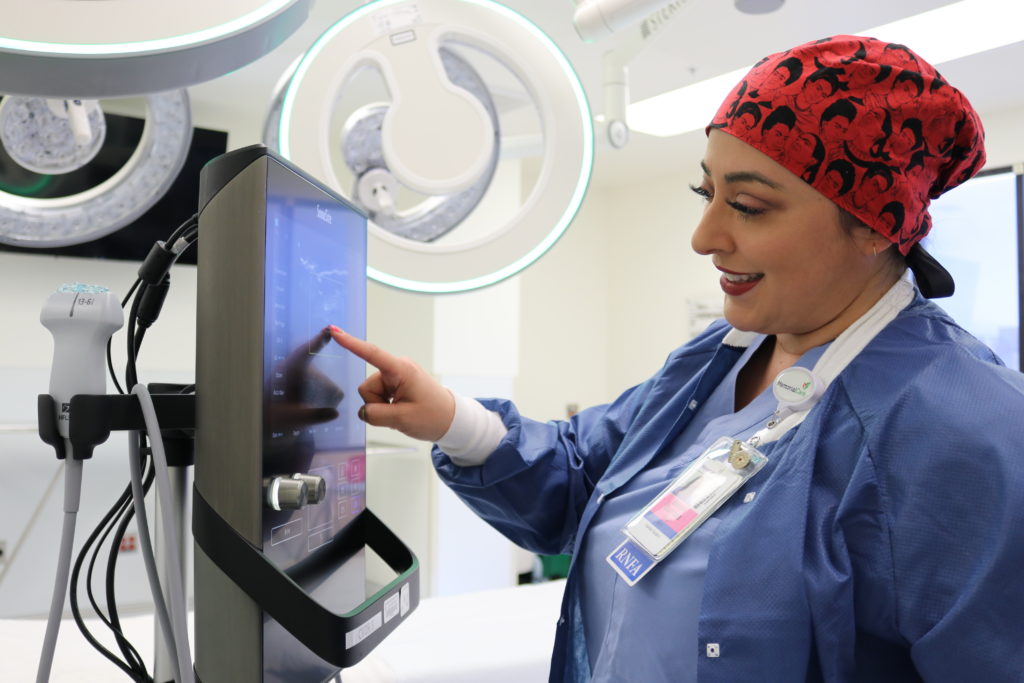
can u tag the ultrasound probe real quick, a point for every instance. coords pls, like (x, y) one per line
(81, 319)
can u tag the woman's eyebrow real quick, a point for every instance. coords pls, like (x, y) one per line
(744, 176)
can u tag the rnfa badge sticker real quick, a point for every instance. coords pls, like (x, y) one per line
(630, 562)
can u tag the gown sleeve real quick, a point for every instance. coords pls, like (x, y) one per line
(535, 485)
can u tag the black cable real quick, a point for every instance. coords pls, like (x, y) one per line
(130, 373)
(130, 655)
(191, 235)
(140, 332)
(133, 665)
(115, 548)
(190, 228)
(110, 361)
(126, 513)
(73, 599)
(192, 222)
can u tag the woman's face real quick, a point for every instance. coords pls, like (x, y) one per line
(802, 149)
(901, 93)
(777, 137)
(787, 265)
(902, 142)
(833, 181)
(814, 92)
(745, 121)
(835, 128)
(776, 80)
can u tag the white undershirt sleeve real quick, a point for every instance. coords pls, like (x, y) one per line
(474, 433)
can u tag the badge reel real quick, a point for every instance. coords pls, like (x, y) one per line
(704, 485)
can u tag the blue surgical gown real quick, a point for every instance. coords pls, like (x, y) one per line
(886, 540)
(663, 609)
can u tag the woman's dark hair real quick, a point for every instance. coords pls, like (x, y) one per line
(781, 114)
(882, 171)
(860, 54)
(793, 65)
(902, 48)
(811, 172)
(846, 171)
(911, 76)
(752, 108)
(898, 213)
(830, 75)
(917, 159)
(884, 71)
(915, 127)
(843, 107)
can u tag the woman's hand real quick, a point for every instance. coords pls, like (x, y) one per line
(400, 395)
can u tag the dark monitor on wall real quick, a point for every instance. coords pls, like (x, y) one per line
(132, 242)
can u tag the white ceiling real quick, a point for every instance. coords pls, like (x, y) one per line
(706, 38)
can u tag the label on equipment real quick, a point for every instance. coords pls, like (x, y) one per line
(391, 608)
(395, 19)
(363, 631)
(405, 599)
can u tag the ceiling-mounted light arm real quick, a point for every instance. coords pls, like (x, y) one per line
(596, 19)
(618, 13)
(76, 111)
(616, 99)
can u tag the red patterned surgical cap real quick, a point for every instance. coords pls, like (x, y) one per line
(868, 124)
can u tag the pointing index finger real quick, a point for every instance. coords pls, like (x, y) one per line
(372, 354)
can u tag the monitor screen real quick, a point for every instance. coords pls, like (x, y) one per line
(977, 238)
(315, 276)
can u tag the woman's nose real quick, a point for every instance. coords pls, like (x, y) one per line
(711, 234)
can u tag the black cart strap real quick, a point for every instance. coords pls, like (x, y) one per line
(341, 639)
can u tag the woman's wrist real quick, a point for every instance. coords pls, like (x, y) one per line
(474, 434)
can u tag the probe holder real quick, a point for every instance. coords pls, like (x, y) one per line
(341, 639)
(96, 415)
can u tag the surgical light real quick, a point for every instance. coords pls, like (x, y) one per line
(444, 153)
(114, 203)
(981, 25)
(53, 73)
(124, 47)
(51, 136)
(376, 188)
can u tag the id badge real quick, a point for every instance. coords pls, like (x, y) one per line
(689, 500)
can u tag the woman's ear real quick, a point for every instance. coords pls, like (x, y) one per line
(870, 241)
(878, 246)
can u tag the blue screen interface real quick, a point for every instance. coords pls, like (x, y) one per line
(315, 276)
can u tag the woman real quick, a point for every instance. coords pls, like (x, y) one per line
(882, 538)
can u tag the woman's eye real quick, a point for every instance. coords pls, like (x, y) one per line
(744, 209)
(701, 192)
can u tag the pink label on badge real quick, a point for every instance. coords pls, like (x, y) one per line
(674, 512)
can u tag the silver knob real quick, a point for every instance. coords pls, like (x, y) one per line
(315, 485)
(282, 493)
